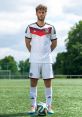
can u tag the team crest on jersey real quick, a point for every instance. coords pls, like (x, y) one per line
(46, 31)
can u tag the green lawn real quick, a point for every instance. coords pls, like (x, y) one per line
(15, 102)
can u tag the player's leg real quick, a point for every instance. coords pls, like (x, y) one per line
(48, 76)
(33, 75)
(48, 91)
(33, 93)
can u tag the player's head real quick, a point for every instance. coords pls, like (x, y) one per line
(41, 12)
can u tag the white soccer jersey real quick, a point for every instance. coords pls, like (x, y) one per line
(41, 37)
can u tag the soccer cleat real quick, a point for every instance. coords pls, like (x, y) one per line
(50, 111)
(33, 110)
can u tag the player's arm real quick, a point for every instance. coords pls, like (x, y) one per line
(28, 38)
(53, 39)
(27, 42)
(53, 44)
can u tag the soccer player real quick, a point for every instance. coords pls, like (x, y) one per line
(41, 40)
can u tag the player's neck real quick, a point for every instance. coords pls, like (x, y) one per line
(40, 23)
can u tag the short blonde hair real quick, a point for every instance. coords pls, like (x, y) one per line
(41, 7)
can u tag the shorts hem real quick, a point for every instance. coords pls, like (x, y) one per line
(40, 78)
(32, 77)
(47, 78)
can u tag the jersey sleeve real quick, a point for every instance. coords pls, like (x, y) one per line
(27, 33)
(53, 34)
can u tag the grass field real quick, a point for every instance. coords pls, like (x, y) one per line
(15, 102)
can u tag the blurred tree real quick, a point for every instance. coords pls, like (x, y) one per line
(70, 62)
(24, 67)
(8, 63)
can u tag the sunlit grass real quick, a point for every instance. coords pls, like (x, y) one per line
(67, 97)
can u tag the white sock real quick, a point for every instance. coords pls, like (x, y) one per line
(33, 95)
(48, 94)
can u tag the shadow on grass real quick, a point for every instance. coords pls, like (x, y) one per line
(18, 115)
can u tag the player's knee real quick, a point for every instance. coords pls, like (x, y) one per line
(47, 83)
(34, 82)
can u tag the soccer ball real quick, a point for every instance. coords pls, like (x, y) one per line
(41, 109)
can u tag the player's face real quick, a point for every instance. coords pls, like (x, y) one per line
(41, 15)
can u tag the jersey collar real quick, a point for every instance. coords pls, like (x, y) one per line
(39, 25)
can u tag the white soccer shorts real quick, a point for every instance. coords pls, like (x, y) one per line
(41, 70)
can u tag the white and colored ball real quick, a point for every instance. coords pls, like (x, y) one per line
(41, 109)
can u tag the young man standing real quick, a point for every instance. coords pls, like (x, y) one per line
(40, 39)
